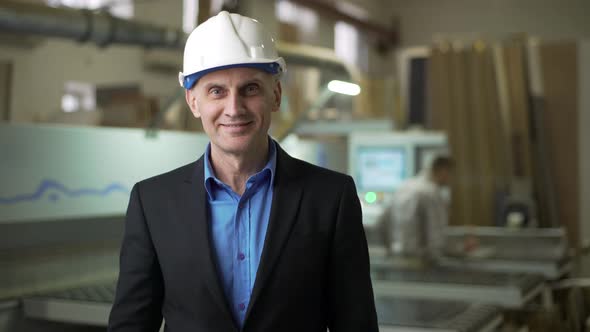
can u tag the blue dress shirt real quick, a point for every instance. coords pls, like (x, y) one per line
(238, 227)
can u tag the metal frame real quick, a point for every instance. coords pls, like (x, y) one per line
(504, 296)
(86, 306)
(492, 326)
(389, 328)
(550, 269)
(68, 311)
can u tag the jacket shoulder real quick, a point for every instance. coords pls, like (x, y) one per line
(319, 175)
(177, 175)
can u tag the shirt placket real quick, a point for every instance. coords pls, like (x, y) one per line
(242, 255)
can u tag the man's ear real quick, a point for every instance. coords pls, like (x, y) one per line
(191, 101)
(278, 91)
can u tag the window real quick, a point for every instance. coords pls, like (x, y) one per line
(120, 8)
(305, 19)
(346, 42)
(349, 44)
(190, 12)
(78, 96)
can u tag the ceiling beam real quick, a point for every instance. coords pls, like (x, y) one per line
(387, 35)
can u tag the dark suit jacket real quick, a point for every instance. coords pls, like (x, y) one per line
(313, 273)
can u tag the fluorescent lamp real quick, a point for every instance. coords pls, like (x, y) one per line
(345, 88)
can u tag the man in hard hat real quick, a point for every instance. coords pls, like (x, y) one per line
(419, 211)
(246, 238)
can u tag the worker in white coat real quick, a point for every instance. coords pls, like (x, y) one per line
(419, 211)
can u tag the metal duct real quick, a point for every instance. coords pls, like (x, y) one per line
(85, 25)
(322, 58)
(104, 29)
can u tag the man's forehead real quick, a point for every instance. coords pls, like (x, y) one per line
(234, 75)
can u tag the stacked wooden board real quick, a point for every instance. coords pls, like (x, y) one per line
(503, 136)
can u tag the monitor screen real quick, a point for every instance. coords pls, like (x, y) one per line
(380, 168)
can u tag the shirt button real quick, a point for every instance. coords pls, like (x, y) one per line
(241, 306)
(241, 256)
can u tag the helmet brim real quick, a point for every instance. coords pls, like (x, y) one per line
(272, 68)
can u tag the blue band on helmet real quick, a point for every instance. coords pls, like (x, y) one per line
(271, 68)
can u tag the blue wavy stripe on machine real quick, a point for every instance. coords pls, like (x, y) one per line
(46, 186)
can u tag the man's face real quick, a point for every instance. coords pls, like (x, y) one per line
(235, 108)
(443, 177)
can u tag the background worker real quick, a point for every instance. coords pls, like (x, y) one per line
(419, 210)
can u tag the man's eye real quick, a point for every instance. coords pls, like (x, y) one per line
(251, 89)
(215, 91)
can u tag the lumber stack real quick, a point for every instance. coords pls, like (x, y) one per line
(505, 137)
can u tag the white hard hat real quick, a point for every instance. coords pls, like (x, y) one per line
(228, 40)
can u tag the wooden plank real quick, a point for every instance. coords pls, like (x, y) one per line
(442, 109)
(543, 176)
(460, 122)
(465, 104)
(584, 139)
(438, 89)
(498, 126)
(497, 143)
(475, 136)
(519, 111)
(559, 65)
(483, 137)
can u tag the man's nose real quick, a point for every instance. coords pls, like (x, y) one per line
(234, 105)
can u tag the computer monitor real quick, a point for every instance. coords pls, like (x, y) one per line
(381, 168)
(380, 161)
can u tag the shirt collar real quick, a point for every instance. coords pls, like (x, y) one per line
(270, 166)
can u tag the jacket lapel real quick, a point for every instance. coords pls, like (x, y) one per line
(283, 213)
(193, 202)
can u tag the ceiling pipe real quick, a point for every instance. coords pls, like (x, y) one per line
(85, 26)
(323, 58)
(389, 36)
(104, 29)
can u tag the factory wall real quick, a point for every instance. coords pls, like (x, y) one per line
(423, 20)
(39, 72)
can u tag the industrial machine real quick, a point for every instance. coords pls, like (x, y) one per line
(91, 306)
(54, 172)
(63, 204)
(513, 291)
(541, 251)
(380, 161)
(63, 199)
(420, 315)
